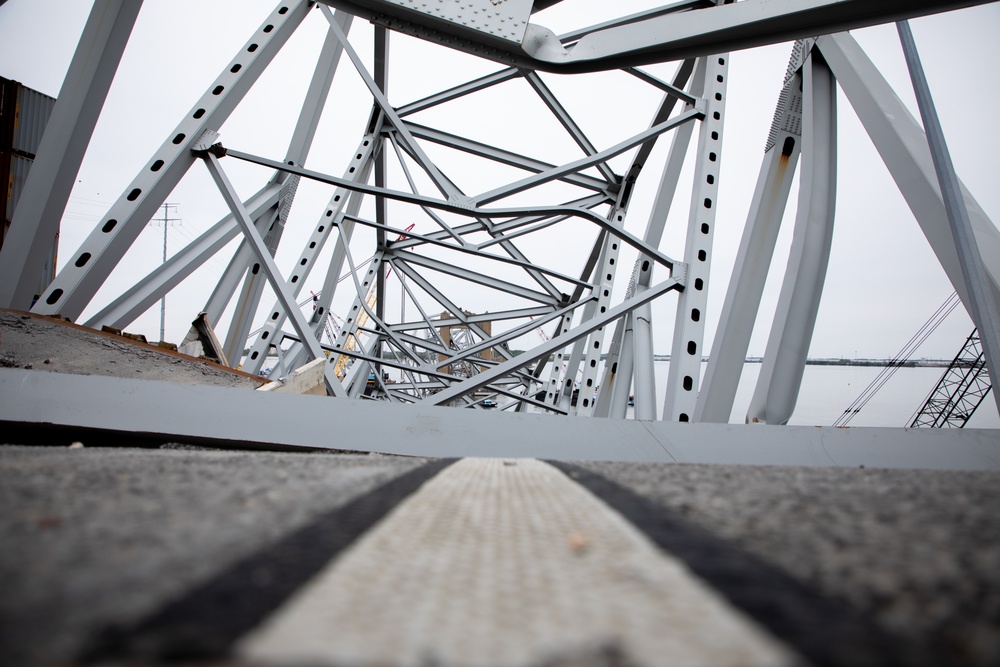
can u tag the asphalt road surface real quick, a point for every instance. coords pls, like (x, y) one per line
(149, 556)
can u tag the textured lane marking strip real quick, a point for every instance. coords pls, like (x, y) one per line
(506, 563)
(206, 622)
(823, 630)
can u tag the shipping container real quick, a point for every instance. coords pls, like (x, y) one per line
(24, 114)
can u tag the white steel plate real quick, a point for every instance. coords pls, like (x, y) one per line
(506, 19)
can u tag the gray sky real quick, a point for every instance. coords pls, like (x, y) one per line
(883, 280)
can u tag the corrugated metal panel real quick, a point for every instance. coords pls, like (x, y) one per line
(8, 110)
(24, 113)
(33, 113)
(19, 168)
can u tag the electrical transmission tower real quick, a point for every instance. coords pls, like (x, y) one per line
(166, 221)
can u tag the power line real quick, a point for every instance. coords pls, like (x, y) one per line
(897, 362)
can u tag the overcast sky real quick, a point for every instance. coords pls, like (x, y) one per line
(883, 281)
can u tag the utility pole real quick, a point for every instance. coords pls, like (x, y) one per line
(165, 220)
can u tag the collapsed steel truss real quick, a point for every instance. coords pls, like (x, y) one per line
(597, 346)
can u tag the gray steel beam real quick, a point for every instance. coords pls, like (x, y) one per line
(31, 398)
(358, 168)
(578, 332)
(459, 91)
(476, 277)
(588, 161)
(604, 282)
(224, 289)
(570, 125)
(274, 276)
(660, 37)
(503, 157)
(621, 360)
(35, 224)
(983, 309)
(500, 232)
(798, 303)
(253, 283)
(711, 79)
(465, 207)
(381, 211)
(753, 260)
(902, 144)
(639, 333)
(298, 150)
(147, 291)
(415, 240)
(91, 265)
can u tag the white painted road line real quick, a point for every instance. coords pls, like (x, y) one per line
(498, 562)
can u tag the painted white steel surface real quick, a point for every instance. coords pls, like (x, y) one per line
(798, 304)
(506, 19)
(753, 261)
(507, 562)
(902, 145)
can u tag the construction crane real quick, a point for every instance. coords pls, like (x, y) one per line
(541, 334)
(331, 327)
(897, 362)
(960, 390)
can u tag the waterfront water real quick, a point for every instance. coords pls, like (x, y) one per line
(828, 390)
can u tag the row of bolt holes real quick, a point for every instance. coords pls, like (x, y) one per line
(82, 260)
(303, 262)
(699, 284)
(692, 347)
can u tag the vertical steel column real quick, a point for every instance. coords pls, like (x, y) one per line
(620, 364)
(982, 308)
(554, 394)
(642, 331)
(710, 81)
(785, 357)
(621, 385)
(645, 381)
(554, 386)
(70, 127)
(753, 261)
(607, 269)
(381, 214)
